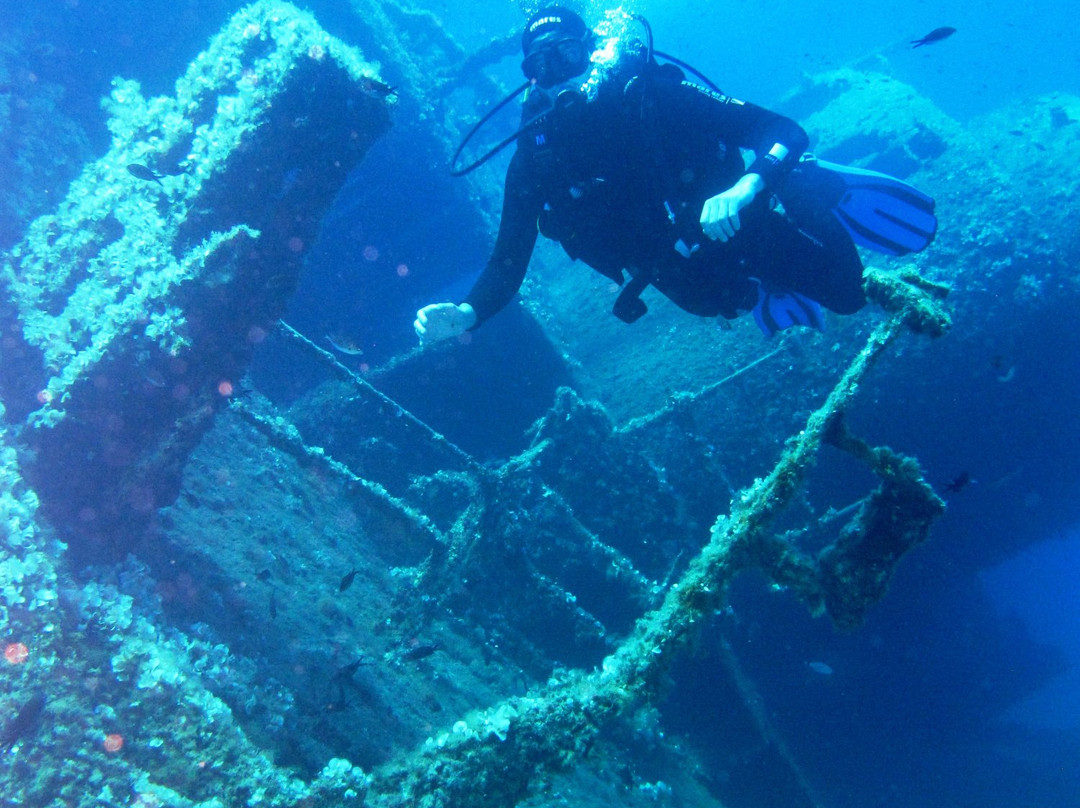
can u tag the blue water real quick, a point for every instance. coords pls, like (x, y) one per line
(1037, 589)
(1001, 51)
(963, 688)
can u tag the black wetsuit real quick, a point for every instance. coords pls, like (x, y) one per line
(620, 181)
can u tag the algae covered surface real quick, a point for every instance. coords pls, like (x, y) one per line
(261, 549)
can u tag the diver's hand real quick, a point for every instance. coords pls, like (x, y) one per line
(720, 213)
(441, 321)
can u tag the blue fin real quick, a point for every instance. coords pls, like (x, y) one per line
(776, 311)
(881, 212)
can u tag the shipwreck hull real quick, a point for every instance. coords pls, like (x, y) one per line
(134, 308)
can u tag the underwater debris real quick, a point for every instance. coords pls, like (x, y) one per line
(553, 726)
(855, 570)
(547, 729)
(909, 292)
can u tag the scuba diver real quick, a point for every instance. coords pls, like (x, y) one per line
(652, 179)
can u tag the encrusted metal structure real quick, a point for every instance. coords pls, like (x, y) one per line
(133, 309)
(493, 756)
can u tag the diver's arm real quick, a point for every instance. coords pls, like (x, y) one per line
(777, 142)
(505, 270)
(720, 213)
(742, 124)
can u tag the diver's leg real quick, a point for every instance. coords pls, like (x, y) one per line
(712, 282)
(818, 260)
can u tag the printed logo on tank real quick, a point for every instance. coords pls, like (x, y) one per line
(723, 99)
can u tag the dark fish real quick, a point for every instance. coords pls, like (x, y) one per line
(1005, 372)
(346, 582)
(273, 604)
(936, 35)
(343, 677)
(377, 88)
(24, 723)
(141, 172)
(175, 171)
(957, 483)
(346, 672)
(264, 575)
(420, 651)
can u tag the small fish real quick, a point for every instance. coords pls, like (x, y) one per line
(342, 678)
(141, 172)
(958, 483)
(343, 345)
(820, 668)
(420, 651)
(25, 721)
(1001, 367)
(346, 582)
(175, 171)
(936, 35)
(264, 575)
(346, 672)
(273, 604)
(377, 88)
